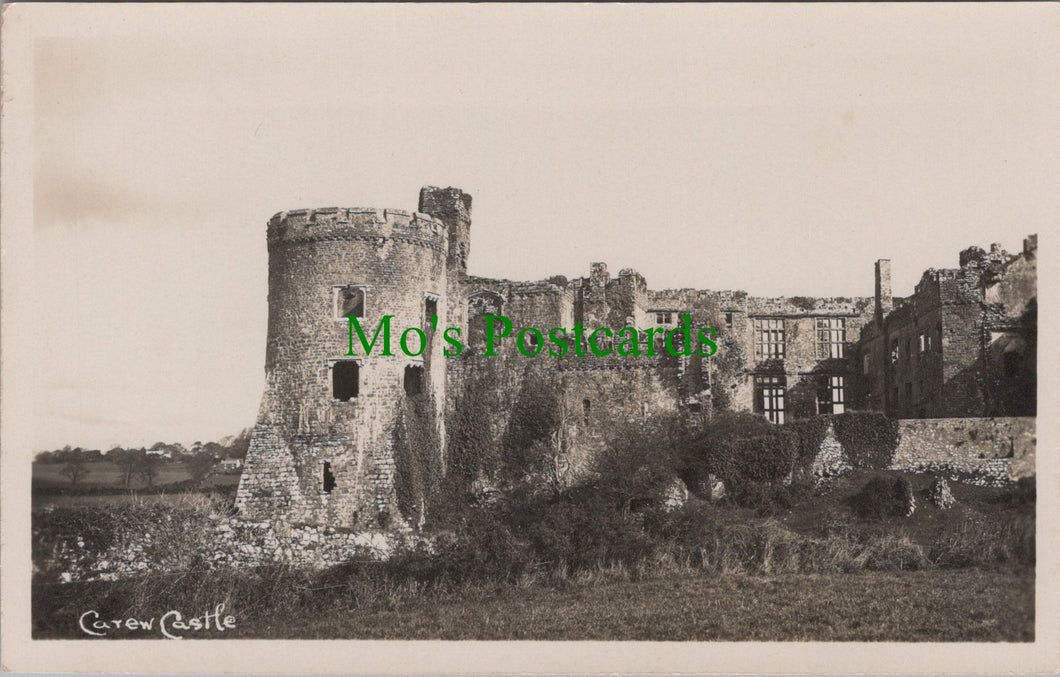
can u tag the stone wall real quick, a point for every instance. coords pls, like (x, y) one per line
(218, 541)
(990, 450)
(601, 395)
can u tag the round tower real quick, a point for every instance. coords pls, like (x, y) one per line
(336, 423)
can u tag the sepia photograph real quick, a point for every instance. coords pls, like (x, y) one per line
(486, 338)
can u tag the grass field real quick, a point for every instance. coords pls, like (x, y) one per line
(108, 477)
(938, 606)
(107, 474)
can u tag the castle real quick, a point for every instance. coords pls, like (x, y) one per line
(357, 442)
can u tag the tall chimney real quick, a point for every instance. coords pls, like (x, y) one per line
(884, 301)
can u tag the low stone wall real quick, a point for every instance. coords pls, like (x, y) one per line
(244, 543)
(146, 542)
(991, 451)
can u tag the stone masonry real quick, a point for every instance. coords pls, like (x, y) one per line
(323, 447)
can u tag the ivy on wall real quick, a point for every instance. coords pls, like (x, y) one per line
(869, 439)
(417, 457)
(534, 418)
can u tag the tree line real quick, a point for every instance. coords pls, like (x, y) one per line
(145, 463)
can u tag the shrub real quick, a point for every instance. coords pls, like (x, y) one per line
(881, 498)
(112, 538)
(702, 454)
(764, 458)
(869, 439)
(534, 418)
(684, 533)
(810, 433)
(637, 464)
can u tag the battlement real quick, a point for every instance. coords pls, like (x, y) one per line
(357, 223)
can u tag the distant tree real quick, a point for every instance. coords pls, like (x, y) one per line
(91, 455)
(75, 470)
(214, 449)
(239, 445)
(147, 466)
(127, 461)
(200, 467)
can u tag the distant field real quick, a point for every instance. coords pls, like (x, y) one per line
(107, 475)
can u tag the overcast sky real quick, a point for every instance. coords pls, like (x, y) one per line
(776, 149)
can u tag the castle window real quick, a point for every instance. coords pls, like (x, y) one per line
(925, 340)
(664, 318)
(894, 352)
(413, 380)
(831, 337)
(728, 320)
(908, 349)
(328, 478)
(866, 363)
(769, 397)
(349, 301)
(480, 304)
(345, 380)
(830, 396)
(430, 308)
(908, 392)
(769, 338)
(586, 406)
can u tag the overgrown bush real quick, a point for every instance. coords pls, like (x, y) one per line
(115, 538)
(533, 419)
(881, 498)
(810, 433)
(869, 439)
(764, 457)
(699, 454)
(472, 450)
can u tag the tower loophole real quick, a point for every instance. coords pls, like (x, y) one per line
(328, 478)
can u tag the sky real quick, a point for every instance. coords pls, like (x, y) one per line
(779, 149)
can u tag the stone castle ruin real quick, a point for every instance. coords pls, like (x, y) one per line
(359, 442)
